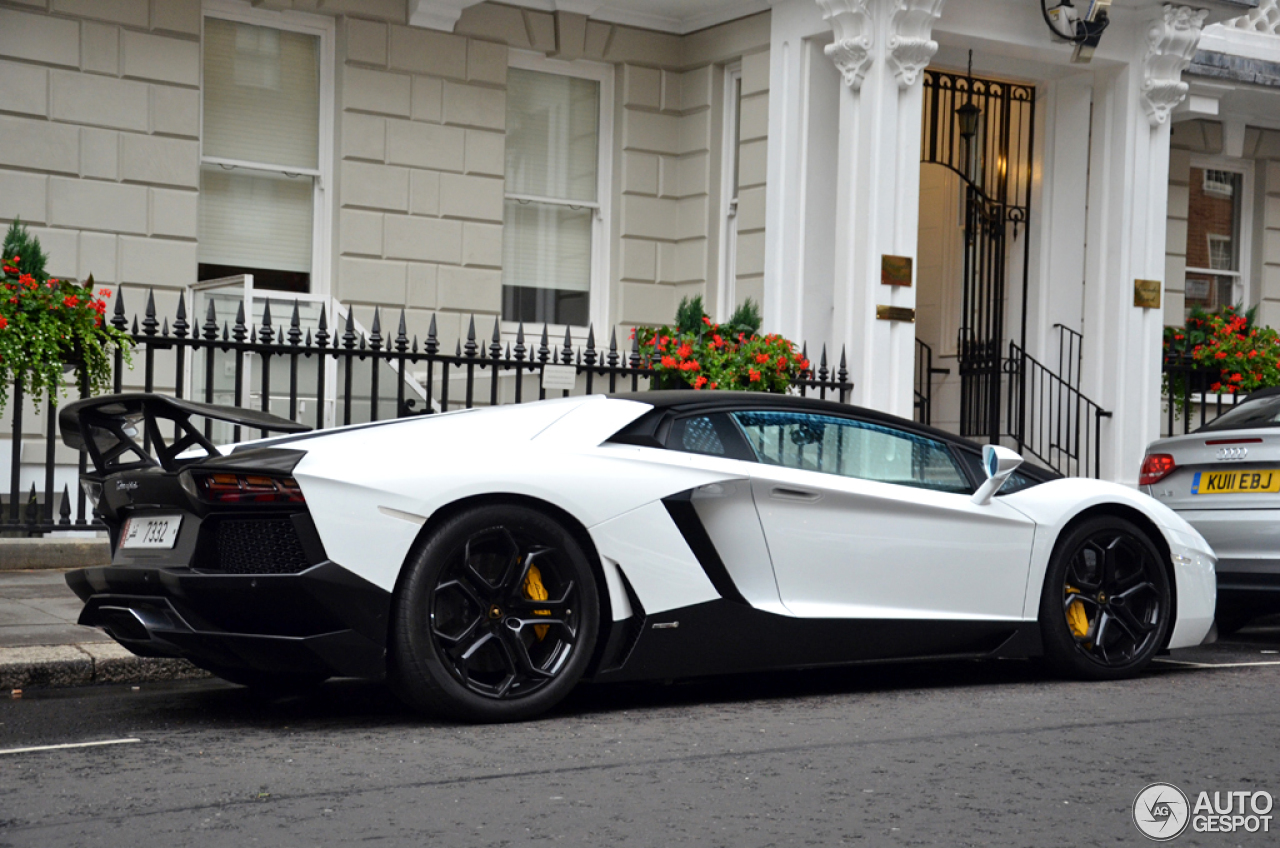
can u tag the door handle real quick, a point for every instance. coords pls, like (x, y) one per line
(789, 494)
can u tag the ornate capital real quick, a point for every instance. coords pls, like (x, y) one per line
(851, 22)
(1171, 42)
(910, 46)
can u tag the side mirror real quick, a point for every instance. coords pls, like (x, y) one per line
(999, 463)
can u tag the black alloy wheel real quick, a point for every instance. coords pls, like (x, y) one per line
(497, 617)
(1107, 606)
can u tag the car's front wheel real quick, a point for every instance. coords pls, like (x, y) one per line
(1107, 605)
(496, 617)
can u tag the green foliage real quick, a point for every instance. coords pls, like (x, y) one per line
(689, 314)
(46, 323)
(706, 355)
(23, 249)
(1248, 358)
(1181, 345)
(745, 319)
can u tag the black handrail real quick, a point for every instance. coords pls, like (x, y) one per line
(1051, 419)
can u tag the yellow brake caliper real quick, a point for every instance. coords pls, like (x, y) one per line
(535, 591)
(1077, 618)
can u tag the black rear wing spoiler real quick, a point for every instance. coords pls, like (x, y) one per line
(121, 432)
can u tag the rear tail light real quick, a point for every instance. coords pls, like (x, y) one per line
(1156, 467)
(248, 488)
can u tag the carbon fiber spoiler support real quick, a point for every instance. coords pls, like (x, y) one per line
(120, 432)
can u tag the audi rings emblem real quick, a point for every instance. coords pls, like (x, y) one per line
(1232, 453)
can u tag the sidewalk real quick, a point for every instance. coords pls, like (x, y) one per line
(41, 645)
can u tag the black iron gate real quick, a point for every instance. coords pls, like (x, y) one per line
(983, 131)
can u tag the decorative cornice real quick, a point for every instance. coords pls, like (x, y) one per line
(1171, 43)
(851, 22)
(910, 46)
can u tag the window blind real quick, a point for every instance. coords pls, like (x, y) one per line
(261, 94)
(552, 135)
(255, 219)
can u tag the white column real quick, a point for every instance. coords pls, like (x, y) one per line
(880, 48)
(1128, 200)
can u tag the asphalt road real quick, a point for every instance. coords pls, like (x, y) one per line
(952, 754)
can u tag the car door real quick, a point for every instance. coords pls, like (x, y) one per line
(867, 520)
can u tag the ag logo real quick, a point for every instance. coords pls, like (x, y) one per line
(1161, 811)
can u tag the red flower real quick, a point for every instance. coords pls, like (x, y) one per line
(71, 301)
(706, 320)
(4, 322)
(668, 362)
(762, 358)
(1252, 354)
(700, 382)
(1215, 387)
(754, 375)
(713, 385)
(107, 293)
(684, 350)
(1236, 378)
(1222, 354)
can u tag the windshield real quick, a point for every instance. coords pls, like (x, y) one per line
(1263, 412)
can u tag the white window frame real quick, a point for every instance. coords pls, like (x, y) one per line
(599, 311)
(322, 176)
(730, 145)
(1244, 224)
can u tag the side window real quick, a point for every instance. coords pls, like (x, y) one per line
(713, 435)
(851, 448)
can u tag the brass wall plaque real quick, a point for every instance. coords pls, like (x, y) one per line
(895, 270)
(1146, 293)
(896, 313)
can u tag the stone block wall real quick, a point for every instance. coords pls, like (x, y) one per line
(98, 136)
(421, 138)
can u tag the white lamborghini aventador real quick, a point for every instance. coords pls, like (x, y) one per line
(487, 560)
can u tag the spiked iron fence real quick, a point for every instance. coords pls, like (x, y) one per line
(345, 376)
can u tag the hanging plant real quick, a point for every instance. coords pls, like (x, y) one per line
(47, 323)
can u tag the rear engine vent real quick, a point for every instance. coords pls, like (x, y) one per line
(260, 546)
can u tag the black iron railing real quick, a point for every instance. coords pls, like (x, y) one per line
(923, 388)
(322, 378)
(1050, 419)
(1190, 401)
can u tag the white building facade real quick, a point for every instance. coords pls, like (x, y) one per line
(594, 164)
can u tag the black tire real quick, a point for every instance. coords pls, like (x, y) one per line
(477, 634)
(1116, 578)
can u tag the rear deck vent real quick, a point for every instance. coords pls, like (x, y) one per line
(260, 546)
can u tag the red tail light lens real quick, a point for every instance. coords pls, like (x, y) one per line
(1156, 467)
(248, 488)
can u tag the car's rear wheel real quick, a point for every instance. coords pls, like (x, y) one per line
(1107, 605)
(496, 617)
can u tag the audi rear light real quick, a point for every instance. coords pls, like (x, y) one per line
(248, 488)
(1156, 467)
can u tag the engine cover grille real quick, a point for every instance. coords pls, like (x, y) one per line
(260, 546)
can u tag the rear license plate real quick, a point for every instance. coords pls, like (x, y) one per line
(151, 531)
(1266, 480)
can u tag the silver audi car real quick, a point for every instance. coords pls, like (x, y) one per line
(1224, 479)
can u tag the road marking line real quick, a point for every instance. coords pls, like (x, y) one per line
(1217, 665)
(67, 745)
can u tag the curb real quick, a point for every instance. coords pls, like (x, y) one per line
(86, 664)
(53, 552)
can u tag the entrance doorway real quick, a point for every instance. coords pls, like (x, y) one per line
(975, 201)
